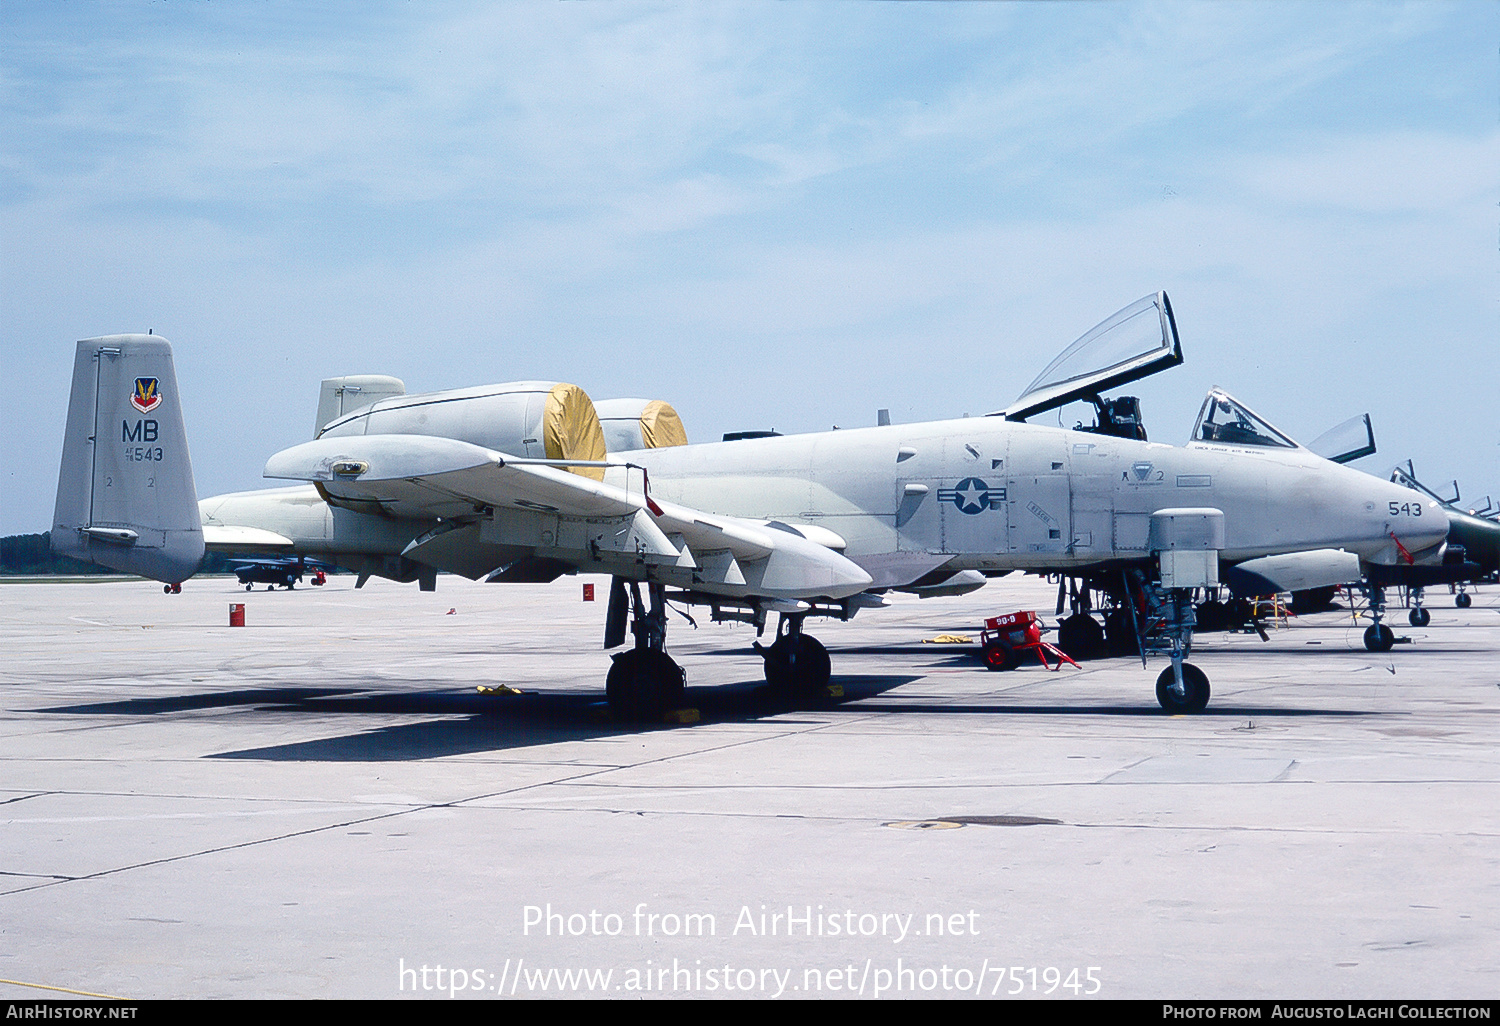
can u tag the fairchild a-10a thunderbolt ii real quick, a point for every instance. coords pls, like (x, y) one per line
(516, 483)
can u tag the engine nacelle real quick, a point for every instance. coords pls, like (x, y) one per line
(631, 424)
(537, 419)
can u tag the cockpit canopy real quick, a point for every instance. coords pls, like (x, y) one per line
(1224, 420)
(1135, 342)
(1346, 442)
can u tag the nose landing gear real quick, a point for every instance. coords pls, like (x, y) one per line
(1378, 637)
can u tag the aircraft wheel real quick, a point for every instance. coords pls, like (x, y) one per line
(1194, 681)
(249, 587)
(1379, 638)
(1120, 633)
(807, 678)
(270, 587)
(643, 684)
(1081, 637)
(1463, 600)
(997, 656)
(1419, 617)
(166, 589)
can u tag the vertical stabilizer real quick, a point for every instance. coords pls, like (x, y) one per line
(125, 497)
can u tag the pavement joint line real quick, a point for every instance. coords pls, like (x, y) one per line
(299, 833)
(707, 750)
(217, 798)
(65, 990)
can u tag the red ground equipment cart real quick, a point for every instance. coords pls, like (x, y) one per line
(1004, 638)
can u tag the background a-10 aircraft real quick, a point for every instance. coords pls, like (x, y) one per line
(530, 480)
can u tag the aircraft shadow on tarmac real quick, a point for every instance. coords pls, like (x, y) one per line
(479, 723)
(488, 723)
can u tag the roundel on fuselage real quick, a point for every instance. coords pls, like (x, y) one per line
(571, 431)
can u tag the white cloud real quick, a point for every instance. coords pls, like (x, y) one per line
(1391, 173)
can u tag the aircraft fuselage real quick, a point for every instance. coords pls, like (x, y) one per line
(977, 493)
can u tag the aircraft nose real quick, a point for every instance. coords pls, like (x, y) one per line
(1413, 521)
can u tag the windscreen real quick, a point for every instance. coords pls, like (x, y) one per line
(1227, 421)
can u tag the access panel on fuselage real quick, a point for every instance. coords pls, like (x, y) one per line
(950, 496)
(1037, 501)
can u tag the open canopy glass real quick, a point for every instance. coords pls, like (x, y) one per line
(1138, 341)
(1345, 442)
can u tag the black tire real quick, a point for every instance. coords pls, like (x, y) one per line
(1463, 600)
(1119, 632)
(1379, 638)
(1419, 617)
(1081, 637)
(166, 589)
(643, 684)
(249, 587)
(997, 656)
(1194, 681)
(803, 679)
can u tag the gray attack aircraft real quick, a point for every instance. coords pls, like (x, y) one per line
(517, 483)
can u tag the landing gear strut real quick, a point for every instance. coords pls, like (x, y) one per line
(797, 665)
(1181, 687)
(1378, 637)
(1418, 617)
(643, 683)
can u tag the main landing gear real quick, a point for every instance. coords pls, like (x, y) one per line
(643, 683)
(797, 665)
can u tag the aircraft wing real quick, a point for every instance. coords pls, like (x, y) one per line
(491, 509)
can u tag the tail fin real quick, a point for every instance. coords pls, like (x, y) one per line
(125, 498)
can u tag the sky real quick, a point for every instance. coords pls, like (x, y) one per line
(774, 216)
